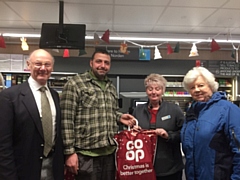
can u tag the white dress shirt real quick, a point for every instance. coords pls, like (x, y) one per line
(37, 95)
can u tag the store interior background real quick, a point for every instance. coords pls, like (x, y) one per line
(206, 20)
(182, 19)
(185, 19)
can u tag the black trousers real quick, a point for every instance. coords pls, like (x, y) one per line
(96, 168)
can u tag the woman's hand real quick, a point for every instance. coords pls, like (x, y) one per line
(161, 132)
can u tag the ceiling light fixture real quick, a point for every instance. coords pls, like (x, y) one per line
(145, 39)
(21, 35)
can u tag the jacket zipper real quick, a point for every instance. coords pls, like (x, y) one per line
(235, 139)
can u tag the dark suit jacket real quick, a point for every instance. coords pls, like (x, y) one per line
(21, 136)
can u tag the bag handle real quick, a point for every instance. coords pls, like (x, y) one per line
(129, 128)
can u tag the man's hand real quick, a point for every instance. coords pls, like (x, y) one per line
(72, 163)
(127, 120)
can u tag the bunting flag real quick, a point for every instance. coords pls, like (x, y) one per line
(96, 39)
(157, 54)
(24, 45)
(142, 54)
(214, 46)
(82, 52)
(105, 36)
(177, 48)
(194, 51)
(123, 48)
(66, 53)
(2, 42)
(169, 49)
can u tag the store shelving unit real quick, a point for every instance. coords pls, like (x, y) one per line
(174, 90)
(56, 81)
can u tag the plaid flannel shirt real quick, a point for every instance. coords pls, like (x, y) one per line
(89, 114)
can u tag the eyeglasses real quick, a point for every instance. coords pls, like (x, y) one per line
(38, 65)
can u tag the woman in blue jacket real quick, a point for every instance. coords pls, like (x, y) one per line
(166, 120)
(211, 132)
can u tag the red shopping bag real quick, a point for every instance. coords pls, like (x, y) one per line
(135, 155)
(69, 176)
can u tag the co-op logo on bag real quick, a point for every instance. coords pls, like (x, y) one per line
(134, 150)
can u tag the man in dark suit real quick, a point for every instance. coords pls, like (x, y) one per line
(21, 130)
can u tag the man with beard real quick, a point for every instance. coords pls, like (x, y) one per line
(90, 120)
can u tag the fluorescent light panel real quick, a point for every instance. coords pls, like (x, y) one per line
(21, 35)
(135, 38)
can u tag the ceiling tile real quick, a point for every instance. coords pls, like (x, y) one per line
(209, 30)
(136, 15)
(223, 18)
(36, 11)
(144, 18)
(146, 3)
(89, 1)
(172, 29)
(7, 14)
(132, 28)
(77, 13)
(236, 31)
(184, 16)
(14, 24)
(45, 1)
(94, 28)
(198, 3)
(235, 4)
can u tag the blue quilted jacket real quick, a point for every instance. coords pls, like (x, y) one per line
(211, 140)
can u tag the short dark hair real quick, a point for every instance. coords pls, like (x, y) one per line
(102, 51)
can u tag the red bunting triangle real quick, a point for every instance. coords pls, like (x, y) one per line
(2, 42)
(105, 36)
(169, 49)
(214, 46)
(66, 53)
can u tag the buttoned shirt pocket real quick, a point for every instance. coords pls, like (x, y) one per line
(89, 98)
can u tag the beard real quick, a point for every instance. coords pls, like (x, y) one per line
(100, 73)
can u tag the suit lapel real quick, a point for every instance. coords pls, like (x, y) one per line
(31, 106)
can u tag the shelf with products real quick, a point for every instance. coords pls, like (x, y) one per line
(132, 87)
(56, 81)
(226, 84)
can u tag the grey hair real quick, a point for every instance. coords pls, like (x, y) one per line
(157, 79)
(194, 73)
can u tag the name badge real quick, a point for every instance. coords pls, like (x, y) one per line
(166, 117)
